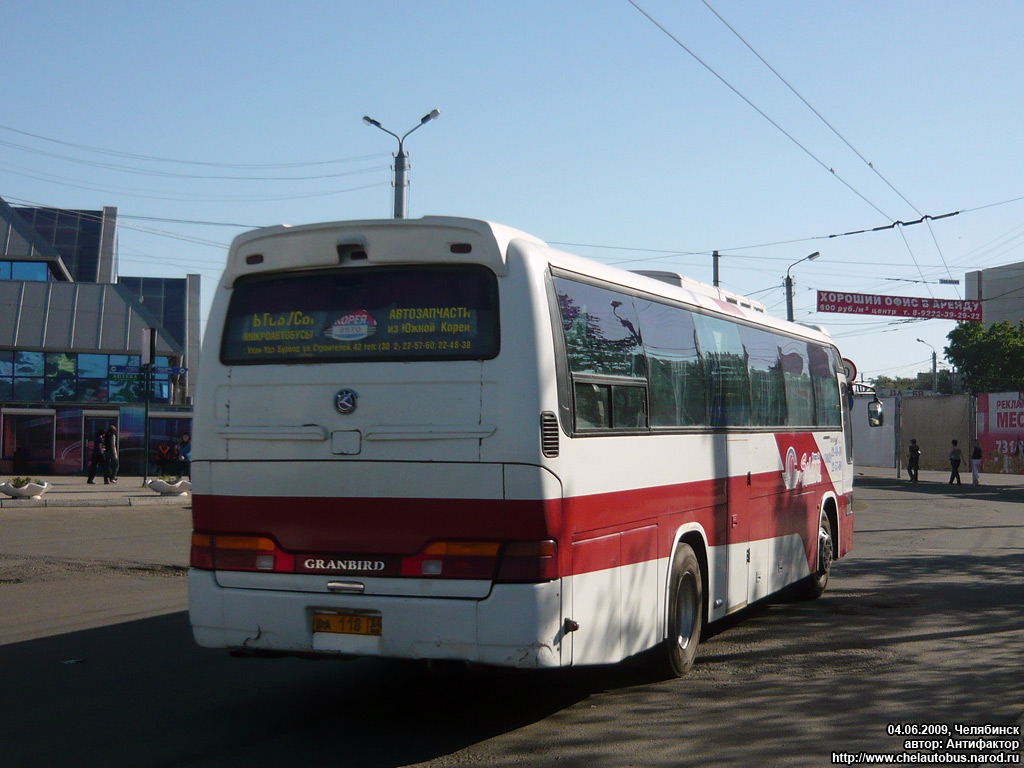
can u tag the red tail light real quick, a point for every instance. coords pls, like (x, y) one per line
(529, 561)
(454, 560)
(513, 562)
(239, 553)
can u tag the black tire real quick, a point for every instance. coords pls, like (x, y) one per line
(685, 612)
(814, 585)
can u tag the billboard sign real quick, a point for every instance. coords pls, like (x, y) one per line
(898, 306)
(1001, 432)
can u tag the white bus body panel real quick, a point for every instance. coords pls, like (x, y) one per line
(477, 630)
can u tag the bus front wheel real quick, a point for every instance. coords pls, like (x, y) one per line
(812, 587)
(685, 612)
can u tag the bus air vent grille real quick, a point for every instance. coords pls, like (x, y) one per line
(549, 434)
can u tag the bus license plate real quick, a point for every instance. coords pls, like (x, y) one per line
(347, 624)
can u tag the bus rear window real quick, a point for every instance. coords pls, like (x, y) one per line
(363, 314)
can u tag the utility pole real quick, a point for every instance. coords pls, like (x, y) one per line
(147, 358)
(935, 367)
(789, 284)
(401, 208)
(714, 268)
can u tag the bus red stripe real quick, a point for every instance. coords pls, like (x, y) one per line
(401, 526)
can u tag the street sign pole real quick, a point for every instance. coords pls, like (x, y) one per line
(148, 358)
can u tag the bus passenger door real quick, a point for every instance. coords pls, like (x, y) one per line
(738, 520)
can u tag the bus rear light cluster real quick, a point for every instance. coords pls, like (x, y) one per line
(454, 560)
(238, 553)
(529, 561)
(511, 562)
(508, 562)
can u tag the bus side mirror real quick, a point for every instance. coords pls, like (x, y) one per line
(875, 414)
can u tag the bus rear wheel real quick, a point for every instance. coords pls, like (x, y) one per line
(685, 612)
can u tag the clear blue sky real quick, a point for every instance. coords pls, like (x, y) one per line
(583, 123)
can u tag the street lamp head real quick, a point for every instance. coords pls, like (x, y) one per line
(811, 257)
(401, 158)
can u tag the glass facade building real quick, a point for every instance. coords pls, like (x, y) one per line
(71, 336)
(167, 298)
(78, 236)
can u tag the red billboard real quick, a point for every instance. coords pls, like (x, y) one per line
(898, 306)
(1001, 432)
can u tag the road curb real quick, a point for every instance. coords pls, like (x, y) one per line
(120, 501)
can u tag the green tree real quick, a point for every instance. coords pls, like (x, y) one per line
(990, 359)
(922, 380)
(888, 382)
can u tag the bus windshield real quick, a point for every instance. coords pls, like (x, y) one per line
(400, 313)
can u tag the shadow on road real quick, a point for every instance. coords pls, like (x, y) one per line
(141, 693)
(990, 489)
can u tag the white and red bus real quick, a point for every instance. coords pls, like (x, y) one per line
(443, 439)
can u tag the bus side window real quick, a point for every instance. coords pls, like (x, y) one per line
(610, 406)
(725, 368)
(675, 371)
(629, 407)
(605, 355)
(827, 402)
(593, 406)
(602, 335)
(767, 383)
(847, 414)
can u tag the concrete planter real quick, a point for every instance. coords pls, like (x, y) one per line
(27, 491)
(164, 488)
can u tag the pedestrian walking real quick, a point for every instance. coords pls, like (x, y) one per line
(96, 459)
(110, 459)
(914, 461)
(976, 459)
(955, 456)
(185, 455)
(163, 457)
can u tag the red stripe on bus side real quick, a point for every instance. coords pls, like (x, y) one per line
(627, 527)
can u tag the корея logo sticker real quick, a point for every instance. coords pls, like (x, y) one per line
(351, 326)
(789, 474)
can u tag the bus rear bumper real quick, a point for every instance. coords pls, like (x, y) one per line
(517, 625)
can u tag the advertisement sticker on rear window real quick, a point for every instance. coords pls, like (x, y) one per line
(366, 314)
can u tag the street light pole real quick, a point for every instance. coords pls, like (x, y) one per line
(400, 159)
(789, 284)
(935, 366)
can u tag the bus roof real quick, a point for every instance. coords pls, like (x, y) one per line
(384, 240)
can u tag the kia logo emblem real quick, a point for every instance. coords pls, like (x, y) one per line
(345, 401)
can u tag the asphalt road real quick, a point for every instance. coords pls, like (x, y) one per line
(65, 569)
(923, 624)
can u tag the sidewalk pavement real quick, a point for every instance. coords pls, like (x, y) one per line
(940, 477)
(74, 491)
